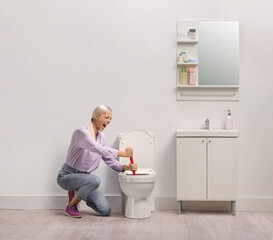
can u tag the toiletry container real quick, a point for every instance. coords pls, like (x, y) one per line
(184, 75)
(180, 59)
(192, 76)
(184, 56)
(229, 121)
(192, 33)
(181, 77)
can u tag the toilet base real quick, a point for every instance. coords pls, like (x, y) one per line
(137, 207)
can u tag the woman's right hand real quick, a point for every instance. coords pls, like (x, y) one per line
(129, 152)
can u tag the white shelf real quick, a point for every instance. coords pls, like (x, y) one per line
(207, 92)
(208, 86)
(187, 64)
(188, 41)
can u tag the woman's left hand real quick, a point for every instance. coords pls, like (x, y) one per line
(133, 167)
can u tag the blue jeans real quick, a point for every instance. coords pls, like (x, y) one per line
(86, 186)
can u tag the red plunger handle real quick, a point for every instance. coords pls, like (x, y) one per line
(132, 162)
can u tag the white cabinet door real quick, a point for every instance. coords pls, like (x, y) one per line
(222, 168)
(191, 168)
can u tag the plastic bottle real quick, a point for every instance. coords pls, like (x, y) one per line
(192, 76)
(184, 76)
(229, 121)
(192, 33)
(184, 56)
(179, 58)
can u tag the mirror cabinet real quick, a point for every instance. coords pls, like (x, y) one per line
(207, 60)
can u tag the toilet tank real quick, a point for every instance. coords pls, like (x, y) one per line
(142, 143)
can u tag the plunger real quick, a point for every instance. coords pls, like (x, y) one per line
(132, 162)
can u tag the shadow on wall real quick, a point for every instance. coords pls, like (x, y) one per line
(110, 183)
(165, 162)
(59, 158)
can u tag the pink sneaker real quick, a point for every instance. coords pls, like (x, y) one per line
(73, 212)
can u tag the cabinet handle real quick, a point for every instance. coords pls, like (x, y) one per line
(209, 141)
(203, 141)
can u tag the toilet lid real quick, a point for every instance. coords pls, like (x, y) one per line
(143, 146)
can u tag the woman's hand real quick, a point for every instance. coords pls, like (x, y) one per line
(130, 167)
(128, 152)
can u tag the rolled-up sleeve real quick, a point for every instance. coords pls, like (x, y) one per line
(113, 163)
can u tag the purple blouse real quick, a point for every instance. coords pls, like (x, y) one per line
(84, 153)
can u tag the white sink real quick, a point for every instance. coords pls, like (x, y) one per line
(206, 133)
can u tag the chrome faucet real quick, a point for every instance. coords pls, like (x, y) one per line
(207, 124)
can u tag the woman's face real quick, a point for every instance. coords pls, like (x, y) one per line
(103, 120)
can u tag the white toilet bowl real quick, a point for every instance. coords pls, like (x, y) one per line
(137, 193)
(137, 190)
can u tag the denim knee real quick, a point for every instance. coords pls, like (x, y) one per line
(103, 210)
(97, 201)
(106, 211)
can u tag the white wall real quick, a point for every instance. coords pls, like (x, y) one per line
(60, 59)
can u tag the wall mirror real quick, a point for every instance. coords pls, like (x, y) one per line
(218, 52)
(208, 60)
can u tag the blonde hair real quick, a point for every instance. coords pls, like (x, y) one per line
(100, 110)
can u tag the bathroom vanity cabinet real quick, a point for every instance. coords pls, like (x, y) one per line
(207, 168)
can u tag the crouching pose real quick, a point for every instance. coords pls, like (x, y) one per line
(87, 147)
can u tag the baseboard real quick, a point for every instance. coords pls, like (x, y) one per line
(32, 202)
(162, 203)
(255, 204)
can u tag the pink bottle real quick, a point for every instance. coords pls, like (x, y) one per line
(192, 76)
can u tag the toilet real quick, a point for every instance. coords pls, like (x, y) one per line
(137, 191)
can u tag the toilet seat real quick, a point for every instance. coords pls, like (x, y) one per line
(142, 175)
(141, 171)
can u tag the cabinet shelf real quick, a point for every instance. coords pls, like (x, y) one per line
(188, 41)
(207, 92)
(208, 86)
(187, 64)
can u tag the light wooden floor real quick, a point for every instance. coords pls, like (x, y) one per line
(53, 224)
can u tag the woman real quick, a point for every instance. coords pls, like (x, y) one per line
(88, 145)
